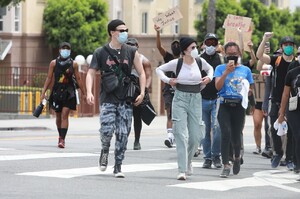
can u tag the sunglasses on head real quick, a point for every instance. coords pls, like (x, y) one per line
(122, 30)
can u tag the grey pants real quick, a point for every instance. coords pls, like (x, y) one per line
(188, 127)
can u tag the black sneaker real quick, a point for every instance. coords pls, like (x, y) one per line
(137, 146)
(169, 143)
(207, 164)
(225, 172)
(117, 171)
(197, 153)
(236, 166)
(217, 162)
(103, 160)
(267, 153)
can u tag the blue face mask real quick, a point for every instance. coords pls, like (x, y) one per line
(122, 37)
(65, 53)
(288, 50)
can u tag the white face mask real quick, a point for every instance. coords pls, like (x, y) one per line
(194, 53)
(210, 50)
(298, 59)
(239, 61)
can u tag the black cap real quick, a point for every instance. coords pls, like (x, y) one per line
(175, 42)
(287, 39)
(210, 36)
(62, 44)
(132, 41)
(114, 24)
(185, 42)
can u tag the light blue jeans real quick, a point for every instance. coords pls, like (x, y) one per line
(187, 125)
(212, 140)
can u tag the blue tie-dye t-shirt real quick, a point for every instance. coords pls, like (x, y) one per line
(233, 82)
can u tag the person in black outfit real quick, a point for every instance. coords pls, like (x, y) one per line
(168, 91)
(280, 67)
(63, 94)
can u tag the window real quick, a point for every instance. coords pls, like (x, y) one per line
(144, 22)
(17, 18)
(176, 27)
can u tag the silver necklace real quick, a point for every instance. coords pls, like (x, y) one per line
(118, 50)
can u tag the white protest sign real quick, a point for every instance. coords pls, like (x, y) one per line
(167, 17)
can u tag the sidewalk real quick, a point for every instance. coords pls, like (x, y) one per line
(88, 123)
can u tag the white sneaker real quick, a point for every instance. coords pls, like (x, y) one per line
(190, 170)
(181, 176)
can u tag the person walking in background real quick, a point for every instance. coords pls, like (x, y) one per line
(292, 89)
(279, 70)
(137, 120)
(63, 96)
(211, 141)
(168, 91)
(115, 110)
(232, 82)
(186, 106)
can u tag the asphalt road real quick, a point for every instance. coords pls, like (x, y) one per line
(31, 166)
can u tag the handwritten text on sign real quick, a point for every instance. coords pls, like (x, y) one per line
(233, 21)
(167, 17)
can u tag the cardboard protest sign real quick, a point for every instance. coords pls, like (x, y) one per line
(239, 30)
(167, 17)
(233, 21)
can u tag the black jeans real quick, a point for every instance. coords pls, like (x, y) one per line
(294, 125)
(231, 120)
(137, 123)
(277, 143)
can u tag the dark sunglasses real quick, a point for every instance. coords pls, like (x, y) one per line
(122, 30)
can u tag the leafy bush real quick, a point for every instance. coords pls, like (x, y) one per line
(39, 79)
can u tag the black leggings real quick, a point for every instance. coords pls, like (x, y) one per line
(293, 120)
(231, 121)
(277, 143)
(137, 123)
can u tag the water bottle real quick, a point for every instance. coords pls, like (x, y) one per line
(39, 108)
(77, 96)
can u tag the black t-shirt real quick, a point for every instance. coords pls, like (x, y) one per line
(294, 64)
(210, 91)
(278, 75)
(293, 80)
(104, 62)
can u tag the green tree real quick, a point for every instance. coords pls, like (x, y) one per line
(4, 3)
(80, 22)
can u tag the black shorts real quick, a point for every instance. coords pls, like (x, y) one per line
(58, 106)
(258, 105)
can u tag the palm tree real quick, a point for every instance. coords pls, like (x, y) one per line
(211, 17)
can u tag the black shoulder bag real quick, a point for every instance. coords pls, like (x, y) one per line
(131, 82)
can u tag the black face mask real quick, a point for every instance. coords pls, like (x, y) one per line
(235, 58)
(175, 50)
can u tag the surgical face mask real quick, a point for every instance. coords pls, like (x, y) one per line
(210, 50)
(288, 50)
(122, 38)
(234, 58)
(65, 53)
(194, 53)
(298, 59)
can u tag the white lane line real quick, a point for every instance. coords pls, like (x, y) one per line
(77, 172)
(44, 156)
(276, 178)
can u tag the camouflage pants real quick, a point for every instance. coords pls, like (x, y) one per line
(115, 118)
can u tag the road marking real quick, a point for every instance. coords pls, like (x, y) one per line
(44, 156)
(276, 178)
(7, 149)
(77, 172)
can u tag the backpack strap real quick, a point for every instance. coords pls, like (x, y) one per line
(278, 60)
(180, 62)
